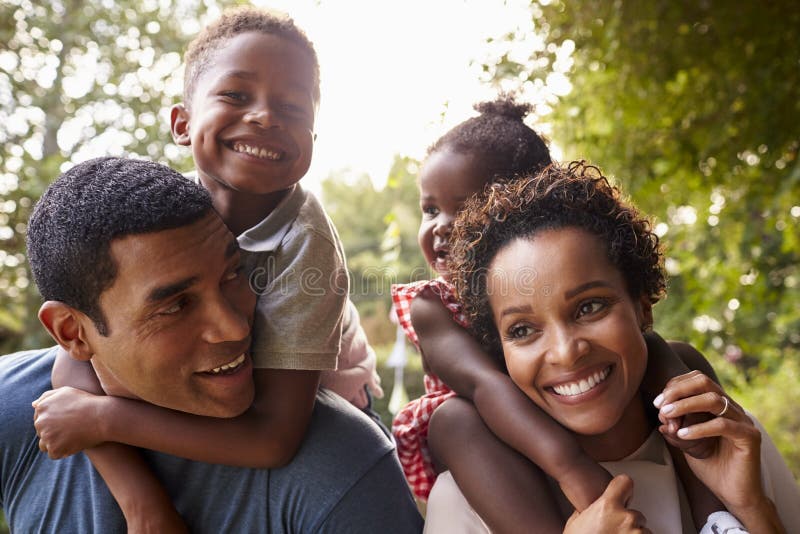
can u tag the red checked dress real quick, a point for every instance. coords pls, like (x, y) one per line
(410, 425)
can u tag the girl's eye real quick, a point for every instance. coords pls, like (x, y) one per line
(430, 211)
(591, 306)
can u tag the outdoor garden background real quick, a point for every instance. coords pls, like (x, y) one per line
(693, 107)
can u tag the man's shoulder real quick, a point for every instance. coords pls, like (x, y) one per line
(27, 371)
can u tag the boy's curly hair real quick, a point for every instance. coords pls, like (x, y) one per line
(232, 23)
(501, 143)
(572, 195)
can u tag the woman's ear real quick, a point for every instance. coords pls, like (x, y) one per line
(645, 313)
(179, 125)
(66, 326)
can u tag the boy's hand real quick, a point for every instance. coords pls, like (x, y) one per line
(66, 421)
(609, 513)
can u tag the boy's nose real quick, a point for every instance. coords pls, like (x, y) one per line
(262, 116)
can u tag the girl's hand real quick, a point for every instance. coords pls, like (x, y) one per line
(609, 514)
(733, 470)
(66, 421)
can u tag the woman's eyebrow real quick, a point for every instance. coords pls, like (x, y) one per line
(585, 287)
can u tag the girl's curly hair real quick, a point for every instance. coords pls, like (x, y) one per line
(572, 195)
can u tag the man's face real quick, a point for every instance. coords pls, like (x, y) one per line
(179, 315)
(250, 121)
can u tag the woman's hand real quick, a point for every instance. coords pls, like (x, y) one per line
(733, 470)
(66, 421)
(609, 514)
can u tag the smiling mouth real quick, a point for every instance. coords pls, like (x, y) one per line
(258, 152)
(228, 368)
(570, 389)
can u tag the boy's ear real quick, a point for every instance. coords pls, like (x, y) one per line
(179, 124)
(66, 326)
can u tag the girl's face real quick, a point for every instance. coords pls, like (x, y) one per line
(570, 331)
(446, 180)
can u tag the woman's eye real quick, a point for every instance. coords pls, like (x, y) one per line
(519, 331)
(590, 307)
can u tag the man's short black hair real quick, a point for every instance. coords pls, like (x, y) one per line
(93, 203)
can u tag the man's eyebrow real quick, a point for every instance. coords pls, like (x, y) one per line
(585, 287)
(164, 292)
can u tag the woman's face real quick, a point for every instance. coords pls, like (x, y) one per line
(570, 331)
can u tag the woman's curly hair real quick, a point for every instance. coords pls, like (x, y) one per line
(572, 195)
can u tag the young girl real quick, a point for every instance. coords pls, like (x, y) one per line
(559, 275)
(504, 487)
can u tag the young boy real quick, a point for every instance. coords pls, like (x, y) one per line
(251, 93)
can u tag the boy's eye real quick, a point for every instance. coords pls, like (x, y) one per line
(234, 95)
(591, 306)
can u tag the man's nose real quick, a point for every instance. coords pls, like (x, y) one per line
(225, 321)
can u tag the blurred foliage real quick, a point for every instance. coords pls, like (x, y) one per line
(78, 79)
(379, 233)
(694, 108)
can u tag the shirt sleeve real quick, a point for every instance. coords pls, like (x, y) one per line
(302, 288)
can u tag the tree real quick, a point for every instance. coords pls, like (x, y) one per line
(78, 79)
(695, 108)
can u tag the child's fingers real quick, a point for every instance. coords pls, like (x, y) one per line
(42, 397)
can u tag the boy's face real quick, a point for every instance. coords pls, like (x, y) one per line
(250, 121)
(179, 315)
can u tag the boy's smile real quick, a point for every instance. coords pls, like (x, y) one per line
(250, 120)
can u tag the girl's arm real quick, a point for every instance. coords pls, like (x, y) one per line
(267, 435)
(140, 495)
(667, 360)
(454, 355)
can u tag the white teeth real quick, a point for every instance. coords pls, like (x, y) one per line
(262, 153)
(231, 365)
(582, 386)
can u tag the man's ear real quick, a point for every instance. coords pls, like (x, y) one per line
(67, 326)
(179, 124)
(646, 308)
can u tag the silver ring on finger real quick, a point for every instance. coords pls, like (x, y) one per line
(725, 408)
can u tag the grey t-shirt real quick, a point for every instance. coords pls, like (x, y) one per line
(344, 479)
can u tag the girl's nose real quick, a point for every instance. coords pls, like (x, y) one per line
(443, 227)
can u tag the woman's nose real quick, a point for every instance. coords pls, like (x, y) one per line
(568, 347)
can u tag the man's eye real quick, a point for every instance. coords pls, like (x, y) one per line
(173, 309)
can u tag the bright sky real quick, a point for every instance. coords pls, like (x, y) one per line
(396, 75)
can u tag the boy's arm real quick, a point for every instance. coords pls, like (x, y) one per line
(140, 495)
(267, 435)
(459, 360)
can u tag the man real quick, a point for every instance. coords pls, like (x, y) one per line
(141, 277)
